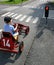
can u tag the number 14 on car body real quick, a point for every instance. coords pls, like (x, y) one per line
(6, 43)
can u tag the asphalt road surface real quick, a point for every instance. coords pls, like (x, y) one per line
(30, 15)
(42, 50)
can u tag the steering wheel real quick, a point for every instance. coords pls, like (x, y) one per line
(15, 26)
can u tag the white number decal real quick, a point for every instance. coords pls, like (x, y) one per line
(4, 41)
(7, 43)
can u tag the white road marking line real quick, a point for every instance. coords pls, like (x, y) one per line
(29, 6)
(10, 8)
(1, 30)
(28, 19)
(36, 19)
(14, 15)
(10, 14)
(26, 6)
(5, 14)
(18, 16)
(23, 18)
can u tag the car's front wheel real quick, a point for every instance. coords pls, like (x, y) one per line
(21, 46)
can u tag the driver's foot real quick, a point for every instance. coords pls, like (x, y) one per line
(17, 42)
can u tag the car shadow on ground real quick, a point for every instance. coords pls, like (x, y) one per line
(7, 57)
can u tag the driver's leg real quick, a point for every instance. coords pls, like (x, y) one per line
(16, 36)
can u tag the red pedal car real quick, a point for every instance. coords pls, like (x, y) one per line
(22, 29)
(8, 43)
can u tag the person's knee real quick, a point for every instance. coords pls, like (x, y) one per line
(16, 37)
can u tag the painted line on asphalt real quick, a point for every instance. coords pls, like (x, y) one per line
(27, 6)
(5, 14)
(11, 14)
(28, 19)
(17, 17)
(23, 18)
(14, 15)
(35, 20)
(10, 8)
